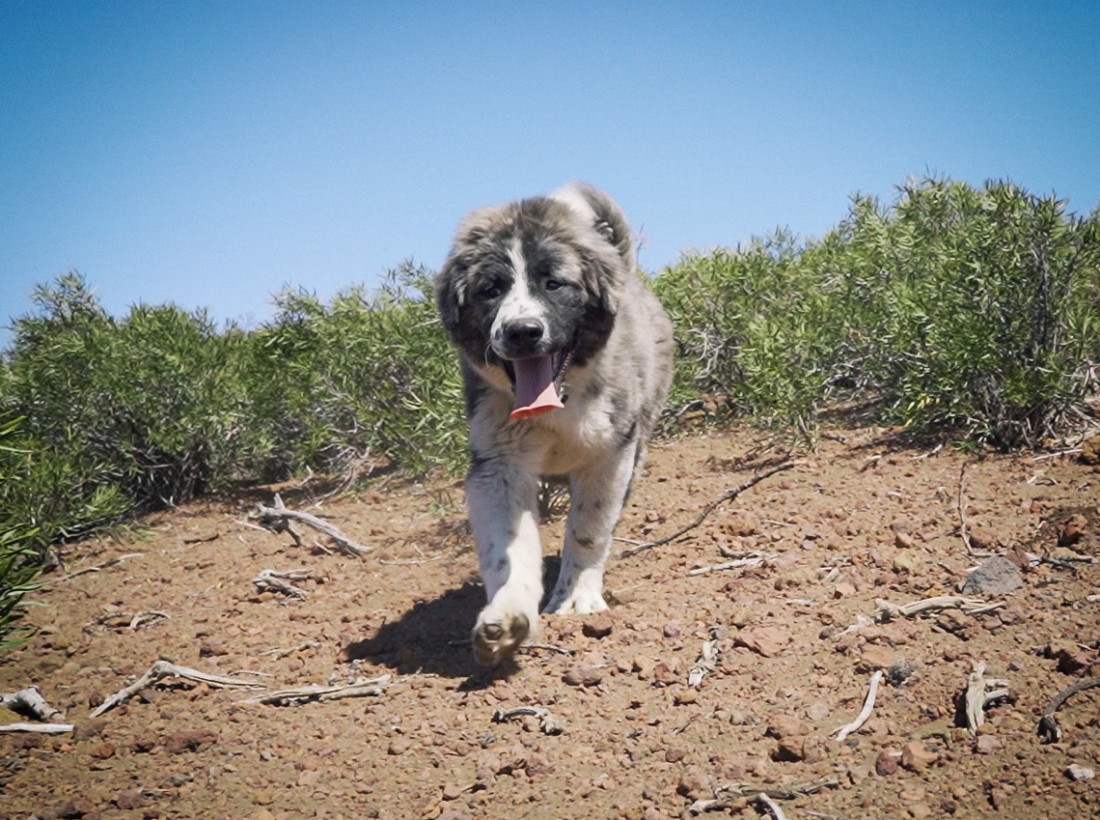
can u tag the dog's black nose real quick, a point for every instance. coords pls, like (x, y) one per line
(523, 334)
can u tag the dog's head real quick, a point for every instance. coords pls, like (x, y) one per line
(532, 287)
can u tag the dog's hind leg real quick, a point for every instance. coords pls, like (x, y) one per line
(598, 494)
(503, 503)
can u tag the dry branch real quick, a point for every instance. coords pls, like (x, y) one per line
(547, 723)
(1049, 730)
(865, 712)
(770, 806)
(708, 659)
(165, 669)
(39, 728)
(729, 495)
(279, 581)
(30, 703)
(752, 559)
(278, 519)
(979, 693)
(726, 796)
(886, 611)
(110, 562)
(316, 692)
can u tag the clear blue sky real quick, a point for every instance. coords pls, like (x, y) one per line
(209, 153)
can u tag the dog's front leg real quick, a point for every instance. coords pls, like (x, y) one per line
(503, 503)
(598, 494)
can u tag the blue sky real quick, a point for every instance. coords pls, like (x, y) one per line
(209, 153)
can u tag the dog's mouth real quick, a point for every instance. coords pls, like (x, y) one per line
(537, 381)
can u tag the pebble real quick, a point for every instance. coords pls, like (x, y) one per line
(988, 745)
(995, 576)
(886, 764)
(1075, 771)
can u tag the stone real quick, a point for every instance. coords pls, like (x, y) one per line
(996, 576)
(597, 626)
(886, 764)
(768, 641)
(1075, 771)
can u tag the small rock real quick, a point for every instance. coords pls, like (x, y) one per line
(1090, 451)
(78, 807)
(908, 561)
(843, 589)
(1072, 530)
(988, 745)
(886, 763)
(876, 656)
(597, 626)
(399, 745)
(900, 672)
(685, 697)
(582, 674)
(188, 741)
(129, 799)
(768, 641)
(915, 756)
(996, 576)
(1075, 771)
(1072, 659)
(782, 726)
(693, 784)
(671, 629)
(102, 751)
(983, 538)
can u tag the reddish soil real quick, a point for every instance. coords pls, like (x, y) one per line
(861, 519)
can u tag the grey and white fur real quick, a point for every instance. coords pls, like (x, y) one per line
(551, 277)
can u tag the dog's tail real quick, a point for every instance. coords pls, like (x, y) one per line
(596, 207)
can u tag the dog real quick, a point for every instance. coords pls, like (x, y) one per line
(566, 358)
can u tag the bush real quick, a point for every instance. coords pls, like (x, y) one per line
(961, 309)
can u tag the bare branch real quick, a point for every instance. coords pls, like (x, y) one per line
(278, 519)
(865, 712)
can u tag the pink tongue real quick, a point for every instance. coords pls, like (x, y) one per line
(536, 392)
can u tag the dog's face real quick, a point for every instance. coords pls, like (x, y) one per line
(530, 284)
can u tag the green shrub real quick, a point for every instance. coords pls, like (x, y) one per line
(957, 309)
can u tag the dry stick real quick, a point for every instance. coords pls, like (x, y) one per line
(30, 703)
(708, 659)
(547, 724)
(729, 495)
(978, 694)
(865, 712)
(962, 518)
(754, 559)
(40, 728)
(770, 806)
(110, 562)
(319, 692)
(727, 794)
(278, 518)
(279, 581)
(165, 669)
(886, 611)
(1049, 730)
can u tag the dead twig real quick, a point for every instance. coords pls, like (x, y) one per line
(279, 519)
(165, 669)
(279, 581)
(726, 795)
(39, 728)
(978, 695)
(317, 692)
(110, 562)
(1049, 730)
(770, 806)
(886, 611)
(729, 495)
(282, 651)
(753, 559)
(548, 725)
(865, 712)
(708, 659)
(30, 703)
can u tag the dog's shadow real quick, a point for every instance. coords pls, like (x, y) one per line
(434, 636)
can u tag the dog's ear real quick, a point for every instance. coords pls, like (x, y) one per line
(604, 275)
(450, 290)
(450, 284)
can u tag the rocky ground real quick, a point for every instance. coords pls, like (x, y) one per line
(727, 663)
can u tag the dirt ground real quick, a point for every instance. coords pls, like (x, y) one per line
(862, 519)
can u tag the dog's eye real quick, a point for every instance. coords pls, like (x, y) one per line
(554, 284)
(490, 292)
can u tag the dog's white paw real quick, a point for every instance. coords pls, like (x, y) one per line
(497, 637)
(582, 597)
